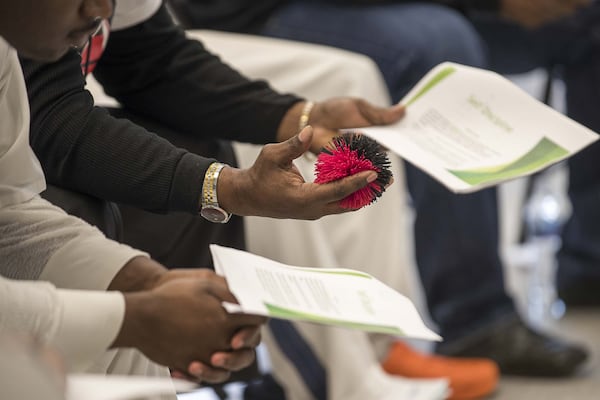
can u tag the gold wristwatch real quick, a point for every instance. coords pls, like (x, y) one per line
(209, 205)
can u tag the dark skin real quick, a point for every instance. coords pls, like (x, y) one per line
(24, 24)
(283, 192)
(74, 20)
(146, 275)
(272, 187)
(157, 319)
(535, 13)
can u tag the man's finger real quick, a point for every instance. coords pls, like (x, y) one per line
(337, 190)
(221, 293)
(234, 360)
(247, 320)
(246, 337)
(378, 115)
(205, 373)
(295, 146)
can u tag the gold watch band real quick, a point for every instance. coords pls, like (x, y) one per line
(210, 208)
(305, 116)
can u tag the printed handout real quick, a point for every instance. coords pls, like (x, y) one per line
(471, 128)
(339, 297)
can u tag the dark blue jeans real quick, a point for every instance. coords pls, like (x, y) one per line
(456, 237)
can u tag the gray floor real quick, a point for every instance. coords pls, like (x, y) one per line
(580, 325)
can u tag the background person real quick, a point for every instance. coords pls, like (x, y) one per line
(458, 259)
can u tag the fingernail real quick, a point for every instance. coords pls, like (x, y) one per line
(304, 134)
(237, 343)
(177, 375)
(371, 177)
(195, 370)
(218, 361)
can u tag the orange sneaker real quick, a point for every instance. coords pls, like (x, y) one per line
(469, 378)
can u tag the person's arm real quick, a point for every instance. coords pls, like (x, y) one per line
(529, 14)
(153, 69)
(83, 148)
(111, 159)
(182, 321)
(39, 241)
(535, 13)
(80, 324)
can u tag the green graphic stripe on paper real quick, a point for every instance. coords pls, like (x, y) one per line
(285, 313)
(440, 76)
(339, 272)
(544, 153)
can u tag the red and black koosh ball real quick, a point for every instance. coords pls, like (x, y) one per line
(349, 154)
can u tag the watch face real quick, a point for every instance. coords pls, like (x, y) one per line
(214, 214)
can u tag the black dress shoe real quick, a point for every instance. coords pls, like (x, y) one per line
(519, 350)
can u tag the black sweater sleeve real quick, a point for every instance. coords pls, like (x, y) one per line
(154, 70)
(83, 148)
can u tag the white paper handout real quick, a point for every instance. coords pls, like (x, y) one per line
(340, 297)
(122, 387)
(471, 128)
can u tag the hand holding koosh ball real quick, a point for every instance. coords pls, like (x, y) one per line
(349, 154)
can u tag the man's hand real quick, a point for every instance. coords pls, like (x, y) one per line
(144, 274)
(273, 186)
(535, 13)
(182, 321)
(222, 363)
(242, 343)
(328, 117)
(140, 273)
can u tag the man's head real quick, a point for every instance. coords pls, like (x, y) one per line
(46, 29)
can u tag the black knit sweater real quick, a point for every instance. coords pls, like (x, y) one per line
(155, 71)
